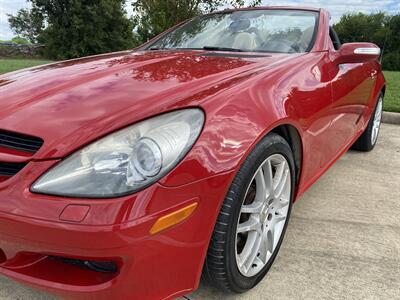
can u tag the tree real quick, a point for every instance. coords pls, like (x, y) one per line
(242, 3)
(362, 28)
(27, 23)
(155, 16)
(391, 57)
(78, 28)
(393, 40)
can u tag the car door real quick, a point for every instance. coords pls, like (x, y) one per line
(352, 86)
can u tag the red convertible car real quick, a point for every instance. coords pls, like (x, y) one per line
(129, 175)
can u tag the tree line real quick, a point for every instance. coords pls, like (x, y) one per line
(76, 28)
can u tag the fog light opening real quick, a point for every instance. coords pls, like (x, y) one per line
(101, 266)
(96, 266)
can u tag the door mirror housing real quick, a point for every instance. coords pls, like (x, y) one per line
(357, 53)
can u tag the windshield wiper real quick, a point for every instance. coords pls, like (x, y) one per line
(222, 49)
(211, 48)
(157, 48)
(163, 48)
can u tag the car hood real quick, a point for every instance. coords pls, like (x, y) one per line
(69, 104)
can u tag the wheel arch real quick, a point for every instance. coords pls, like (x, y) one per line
(380, 87)
(292, 136)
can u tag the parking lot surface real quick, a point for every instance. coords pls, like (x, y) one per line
(343, 240)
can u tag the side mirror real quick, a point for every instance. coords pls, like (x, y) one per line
(357, 53)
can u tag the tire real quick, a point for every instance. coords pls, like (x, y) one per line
(367, 141)
(223, 257)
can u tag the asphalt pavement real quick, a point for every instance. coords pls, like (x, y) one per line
(343, 240)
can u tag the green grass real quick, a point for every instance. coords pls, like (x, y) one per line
(9, 65)
(392, 97)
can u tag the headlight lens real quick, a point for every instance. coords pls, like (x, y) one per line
(126, 161)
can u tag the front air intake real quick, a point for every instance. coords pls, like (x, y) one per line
(10, 169)
(19, 142)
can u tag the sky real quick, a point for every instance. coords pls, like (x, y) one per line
(336, 8)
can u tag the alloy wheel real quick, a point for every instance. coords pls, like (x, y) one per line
(263, 215)
(377, 121)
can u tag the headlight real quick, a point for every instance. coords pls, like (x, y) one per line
(126, 161)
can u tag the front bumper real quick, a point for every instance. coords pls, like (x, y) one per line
(164, 265)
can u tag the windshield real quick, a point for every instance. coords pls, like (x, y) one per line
(284, 31)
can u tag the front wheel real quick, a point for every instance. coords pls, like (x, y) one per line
(253, 218)
(367, 141)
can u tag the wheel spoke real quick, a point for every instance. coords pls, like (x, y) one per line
(279, 218)
(264, 247)
(379, 110)
(281, 184)
(281, 203)
(278, 174)
(250, 251)
(253, 254)
(270, 239)
(268, 178)
(253, 208)
(251, 224)
(243, 256)
(261, 189)
(258, 262)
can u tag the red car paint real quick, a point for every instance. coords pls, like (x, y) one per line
(71, 104)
